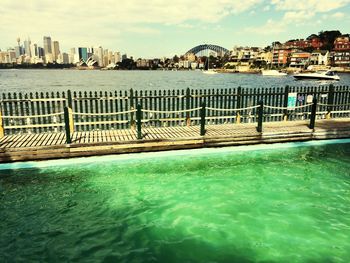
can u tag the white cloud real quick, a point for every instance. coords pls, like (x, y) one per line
(90, 21)
(298, 18)
(299, 13)
(309, 5)
(186, 25)
(338, 15)
(266, 8)
(271, 27)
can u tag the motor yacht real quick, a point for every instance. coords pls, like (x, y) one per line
(319, 75)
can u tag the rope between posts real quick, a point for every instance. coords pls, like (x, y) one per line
(303, 106)
(286, 108)
(32, 116)
(169, 112)
(275, 107)
(239, 109)
(103, 114)
(332, 105)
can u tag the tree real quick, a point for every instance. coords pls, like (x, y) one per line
(176, 59)
(328, 37)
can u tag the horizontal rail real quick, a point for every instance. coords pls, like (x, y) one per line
(33, 100)
(333, 105)
(103, 114)
(99, 98)
(170, 112)
(47, 125)
(339, 111)
(239, 109)
(100, 122)
(33, 116)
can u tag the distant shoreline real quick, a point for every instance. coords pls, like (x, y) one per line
(223, 71)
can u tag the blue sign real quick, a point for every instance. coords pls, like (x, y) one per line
(292, 100)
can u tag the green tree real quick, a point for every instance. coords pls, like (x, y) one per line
(328, 37)
(176, 59)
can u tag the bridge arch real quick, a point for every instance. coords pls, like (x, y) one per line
(220, 51)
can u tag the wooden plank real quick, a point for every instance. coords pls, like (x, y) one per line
(12, 140)
(22, 140)
(29, 141)
(53, 139)
(33, 140)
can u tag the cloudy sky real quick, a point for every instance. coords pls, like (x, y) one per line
(156, 28)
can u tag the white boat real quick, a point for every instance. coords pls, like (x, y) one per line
(209, 72)
(321, 75)
(273, 72)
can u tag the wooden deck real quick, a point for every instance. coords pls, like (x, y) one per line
(52, 145)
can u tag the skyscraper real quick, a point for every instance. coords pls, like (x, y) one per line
(34, 50)
(27, 47)
(55, 50)
(72, 56)
(19, 51)
(83, 53)
(41, 52)
(98, 52)
(47, 45)
(117, 57)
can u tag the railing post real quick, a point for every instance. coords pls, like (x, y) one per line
(313, 113)
(69, 98)
(330, 101)
(139, 121)
(132, 107)
(69, 124)
(2, 132)
(260, 116)
(238, 105)
(203, 119)
(238, 118)
(285, 103)
(188, 106)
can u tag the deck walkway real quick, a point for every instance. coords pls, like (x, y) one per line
(52, 145)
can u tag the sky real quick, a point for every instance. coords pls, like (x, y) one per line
(157, 28)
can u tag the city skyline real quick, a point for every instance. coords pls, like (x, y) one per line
(165, 29)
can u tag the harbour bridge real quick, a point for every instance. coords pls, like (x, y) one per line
(206, 49)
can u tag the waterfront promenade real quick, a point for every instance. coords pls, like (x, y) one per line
(62, 125)
(53, 145)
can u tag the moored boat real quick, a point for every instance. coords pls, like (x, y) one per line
(209, 72)
(319, 75)
(273, 72)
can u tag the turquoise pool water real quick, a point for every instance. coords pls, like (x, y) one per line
(276, 203)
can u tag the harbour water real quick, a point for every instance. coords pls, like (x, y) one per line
(276, 203)
(62, 80)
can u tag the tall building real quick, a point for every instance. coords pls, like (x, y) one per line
(19, 51)
(110, 57)
(83, 53)
(27, 47)
(98, 52)
(55, 50)
(63, 58)
(34, 50)
(41, 52)
(11, 57)
(72, 56)
(47, 45)
(117, 57)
